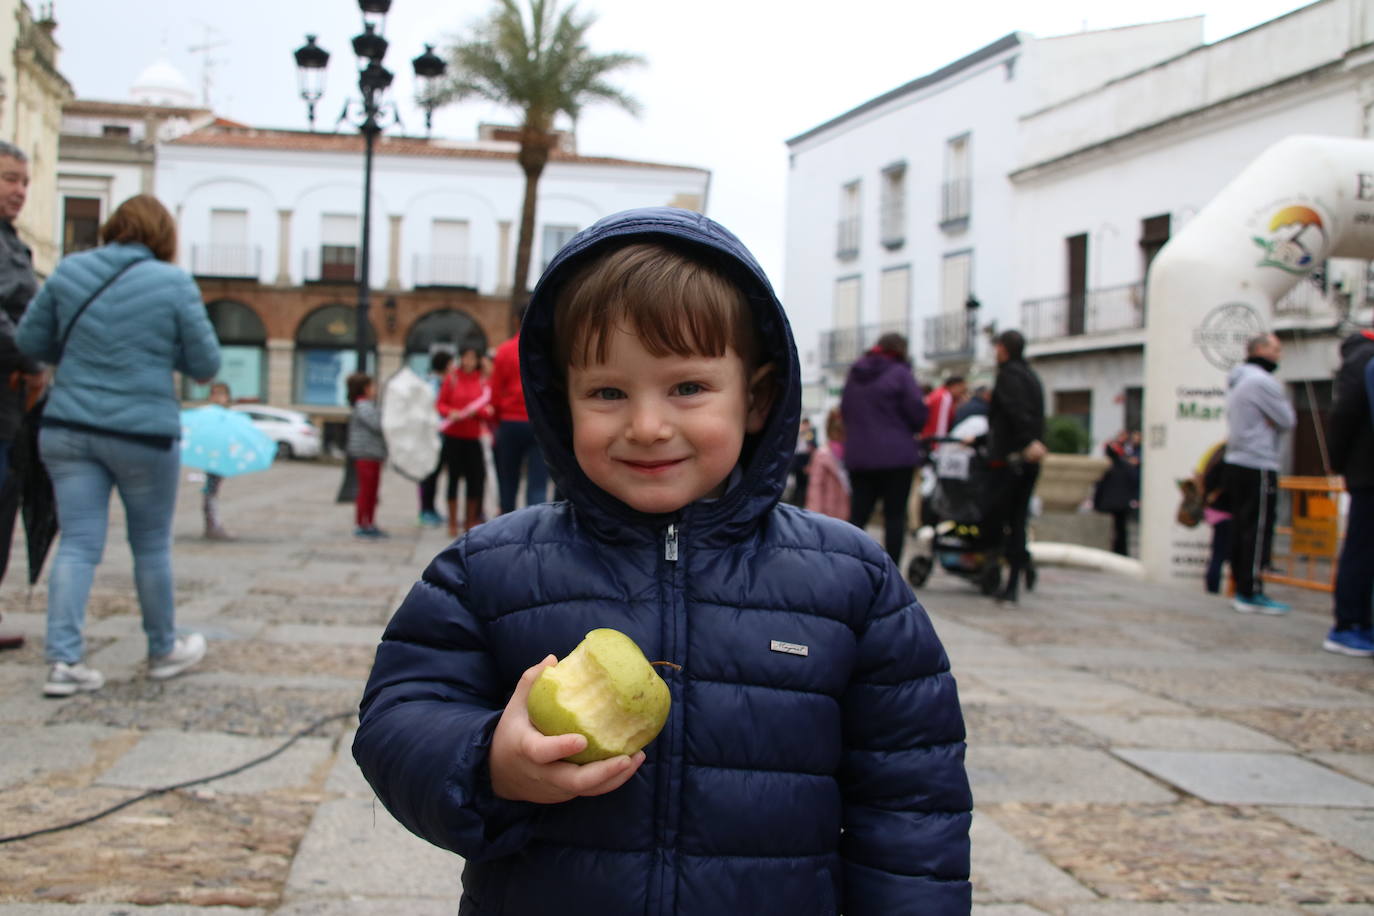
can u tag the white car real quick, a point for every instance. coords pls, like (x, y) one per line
(295, 435)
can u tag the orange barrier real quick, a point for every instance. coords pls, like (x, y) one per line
(1314, 535)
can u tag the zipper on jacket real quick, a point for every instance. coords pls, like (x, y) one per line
(670, 544)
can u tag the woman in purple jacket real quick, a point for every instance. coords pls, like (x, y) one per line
(883, 416)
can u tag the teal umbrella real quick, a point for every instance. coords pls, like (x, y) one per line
(224, 442)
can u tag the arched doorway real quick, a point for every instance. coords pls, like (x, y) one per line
(326, 354)
(447, 329)
(243, 353)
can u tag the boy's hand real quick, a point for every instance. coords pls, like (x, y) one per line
(527, 765)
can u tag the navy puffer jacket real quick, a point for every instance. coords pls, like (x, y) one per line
(797, 785)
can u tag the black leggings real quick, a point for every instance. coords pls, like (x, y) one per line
(893, 487)
(463, 458)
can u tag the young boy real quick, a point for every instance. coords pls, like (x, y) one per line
(367, 447)
(812, 762)
(209, 494)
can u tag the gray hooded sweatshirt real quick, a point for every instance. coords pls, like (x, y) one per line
(1257, 413)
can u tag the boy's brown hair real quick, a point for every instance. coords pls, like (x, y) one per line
(674, 302)
(357, 386)
(143, 218)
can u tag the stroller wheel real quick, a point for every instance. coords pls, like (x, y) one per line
(990, 577)
(918, 570)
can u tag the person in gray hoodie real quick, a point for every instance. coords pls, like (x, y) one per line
(1257, 414)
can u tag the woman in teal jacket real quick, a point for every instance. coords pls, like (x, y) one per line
(116, 322)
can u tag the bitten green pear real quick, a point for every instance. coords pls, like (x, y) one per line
(606, 691)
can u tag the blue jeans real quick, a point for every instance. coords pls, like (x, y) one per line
(514, 446)
(1355, 575)
(84, 467)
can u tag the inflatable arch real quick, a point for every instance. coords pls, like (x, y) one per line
(1213, 287)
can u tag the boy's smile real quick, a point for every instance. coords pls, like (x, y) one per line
(659, 432)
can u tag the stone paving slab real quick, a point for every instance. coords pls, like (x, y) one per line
(1004, 869)
(1026, 726)
(1071, 690)
(1005, 909)
(1000, 773)
(1352, 829)
(164, 758)
(1243, 689)
(1177, 909)
(297, 633)
(354, 846)
(1106, 659)
(1361, 766)
(1176, 732)
(26, 755)
(1236, 778)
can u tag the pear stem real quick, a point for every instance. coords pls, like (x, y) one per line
(669, 664)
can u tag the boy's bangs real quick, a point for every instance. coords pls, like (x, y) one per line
(674, 305)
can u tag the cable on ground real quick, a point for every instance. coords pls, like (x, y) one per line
(181, 785)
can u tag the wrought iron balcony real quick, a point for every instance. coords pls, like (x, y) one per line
(840, 347)
(460, 271)
(956, 202)
(1099, 311)
(226, 261)
(847, 238)
(948, 336)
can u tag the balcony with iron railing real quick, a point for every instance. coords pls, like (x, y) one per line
(447, 270)
(1099, 311)
(226, 261)
(949, 336)
(840, 347)
(847, 238)
(956, 203)
(1311, 300)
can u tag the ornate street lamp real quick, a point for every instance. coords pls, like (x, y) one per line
(369, 116)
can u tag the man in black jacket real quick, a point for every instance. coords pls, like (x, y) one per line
(1350, 436)
(1016, 424)
(18, 373)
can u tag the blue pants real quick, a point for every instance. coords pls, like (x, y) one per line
(1355, 574)
(514, 446)
(84, 467)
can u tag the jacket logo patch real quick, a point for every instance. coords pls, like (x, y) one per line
(789, 648)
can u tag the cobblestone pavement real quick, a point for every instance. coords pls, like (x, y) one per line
(1135, 750)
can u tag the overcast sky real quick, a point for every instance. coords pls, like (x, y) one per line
(727, 82)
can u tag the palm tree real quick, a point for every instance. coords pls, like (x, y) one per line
(541, 65)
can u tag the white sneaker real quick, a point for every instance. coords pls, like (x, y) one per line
(186, 652)
(65, 680)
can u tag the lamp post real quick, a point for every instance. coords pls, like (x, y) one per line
(371, 113)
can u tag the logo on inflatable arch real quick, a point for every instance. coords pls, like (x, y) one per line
(1294, 240)
(1225, 331)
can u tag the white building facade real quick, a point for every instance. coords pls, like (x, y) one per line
(899, 211)
(1107, 177)
(285, 207)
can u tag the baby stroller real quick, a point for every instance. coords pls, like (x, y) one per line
(960, 529)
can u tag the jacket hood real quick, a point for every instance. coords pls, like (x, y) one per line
(1355, 342)
(766, 457)
(870, 366)
(1241, 372)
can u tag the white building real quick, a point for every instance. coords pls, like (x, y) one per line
(284, 207)
(899, 210)
(1104, 178)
